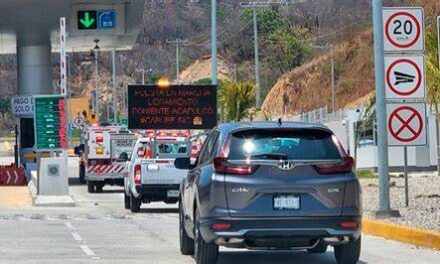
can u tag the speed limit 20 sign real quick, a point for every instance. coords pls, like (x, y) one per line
(403, 30)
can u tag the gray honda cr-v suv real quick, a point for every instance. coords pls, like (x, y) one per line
(270, 185)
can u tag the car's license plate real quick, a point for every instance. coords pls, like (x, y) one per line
(173, 193)
(286, 202)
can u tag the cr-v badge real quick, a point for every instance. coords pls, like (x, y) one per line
(286, 165)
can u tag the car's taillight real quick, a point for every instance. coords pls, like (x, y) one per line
(345, 166)
(221, 164)
(221, 226)
(349, 224)
(137, 174)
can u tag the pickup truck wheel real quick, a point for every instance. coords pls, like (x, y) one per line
(82, 173)
(348, 253)
(90, 186)
(135, 204)
(126, 201)
(99, 188)
(186, 243)
(204, 253)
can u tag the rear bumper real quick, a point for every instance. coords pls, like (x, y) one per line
(104, 177)
(153, 193)
(247, 231)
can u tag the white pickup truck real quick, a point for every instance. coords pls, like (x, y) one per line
(152, 175)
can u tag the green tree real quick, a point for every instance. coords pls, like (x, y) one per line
(286, 49)
(5, 106)
(237, 98)
(432, 66)
(268, 20)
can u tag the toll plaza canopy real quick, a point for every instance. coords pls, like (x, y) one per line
(35, 22)
(30, 29)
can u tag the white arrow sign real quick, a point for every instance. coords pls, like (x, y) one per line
(405, 77)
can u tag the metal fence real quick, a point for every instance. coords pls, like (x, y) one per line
(320, 115)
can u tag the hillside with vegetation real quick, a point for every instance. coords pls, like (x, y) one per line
(287, 36)
(309, 87)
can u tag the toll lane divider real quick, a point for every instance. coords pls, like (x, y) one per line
(12, 176)
(414, 236)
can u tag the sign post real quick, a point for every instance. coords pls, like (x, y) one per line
(405, 80)
(384, 195)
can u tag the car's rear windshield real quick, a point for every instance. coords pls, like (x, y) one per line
(171, 149)
(283, 144)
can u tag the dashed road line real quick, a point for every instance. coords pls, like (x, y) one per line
(83, 245)
(87, 250)
(69, 225)
(76, 236)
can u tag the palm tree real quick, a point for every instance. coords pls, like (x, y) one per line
(237, 98)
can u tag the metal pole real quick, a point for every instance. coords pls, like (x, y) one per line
(114, 85)
(107, 106)
(214, 66)
(178, 61)
(69, 75)
(382, 144)
(405, 173)
(257, 62)
(16, 147)
(333, 79)
(437, 114)
(96, 84)
(143, 76)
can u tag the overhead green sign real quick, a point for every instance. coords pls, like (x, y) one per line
(49, 123)
(87, 20)
(97, 20)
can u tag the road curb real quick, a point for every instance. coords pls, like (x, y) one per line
(418, 237)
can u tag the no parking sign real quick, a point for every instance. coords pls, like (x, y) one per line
(407, 124)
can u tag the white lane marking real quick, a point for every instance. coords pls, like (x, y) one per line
(87, 250)
(76, 236)
(69, 225)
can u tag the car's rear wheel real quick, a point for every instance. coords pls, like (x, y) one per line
(320, 248)
(126, 201)
(90, 186)
(348, 253)
(186, 243)
(204, 253)
(135, 204)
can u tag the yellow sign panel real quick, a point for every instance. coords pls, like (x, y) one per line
(78, 107)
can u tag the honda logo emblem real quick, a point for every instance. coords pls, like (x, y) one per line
(286, 165)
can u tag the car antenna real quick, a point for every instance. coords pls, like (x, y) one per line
(280, 122)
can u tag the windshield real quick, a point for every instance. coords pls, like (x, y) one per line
(171, 149)
(290, 144)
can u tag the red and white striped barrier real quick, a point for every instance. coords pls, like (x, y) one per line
(105, 169)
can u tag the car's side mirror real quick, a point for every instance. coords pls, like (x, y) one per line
(123, 156)
(183, 164)
(79, 149)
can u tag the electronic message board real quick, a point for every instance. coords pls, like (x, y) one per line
(174, 107)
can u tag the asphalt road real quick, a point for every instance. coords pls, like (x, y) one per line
(99, 230)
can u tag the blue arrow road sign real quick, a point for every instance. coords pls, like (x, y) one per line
(106, 19)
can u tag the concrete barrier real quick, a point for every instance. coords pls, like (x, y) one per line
(418, 237)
